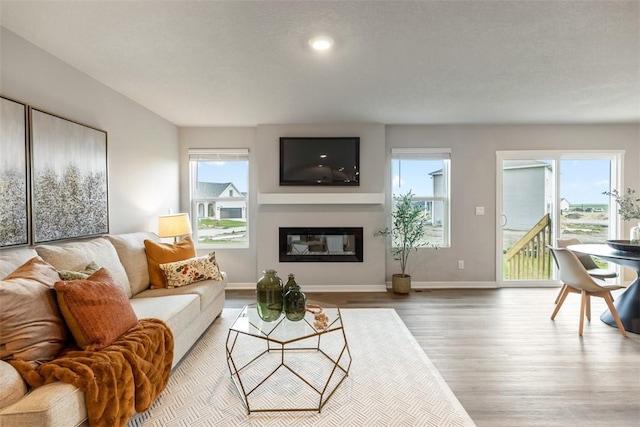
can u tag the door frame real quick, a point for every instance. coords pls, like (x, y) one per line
(616, 157)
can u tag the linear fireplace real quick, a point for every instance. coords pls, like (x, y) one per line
(321, 244)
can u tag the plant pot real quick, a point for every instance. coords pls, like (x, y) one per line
(401, 283)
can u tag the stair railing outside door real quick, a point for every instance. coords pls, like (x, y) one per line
(529, 257)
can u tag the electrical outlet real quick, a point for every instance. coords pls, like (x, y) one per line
(461, 265)
(479, 210)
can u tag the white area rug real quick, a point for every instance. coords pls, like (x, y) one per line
(391, 383)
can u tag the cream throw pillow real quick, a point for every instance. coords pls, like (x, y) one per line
(76, 256)
(192, 270)
(91, 268)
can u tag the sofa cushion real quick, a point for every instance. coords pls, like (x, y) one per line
(181, 273)
(162, 253)
(207, 290)
(132, 254)
(76, 256)
(96, 310)
(32, 326)
(177, 311)
(78, 275)
(10, 259)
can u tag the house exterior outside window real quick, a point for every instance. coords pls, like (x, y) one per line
(219, 197)
(426, 173)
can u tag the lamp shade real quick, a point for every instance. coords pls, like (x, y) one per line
(174, 225)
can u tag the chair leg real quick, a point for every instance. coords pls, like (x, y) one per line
(560, 293)
(614, 313)
(588, 308)
(583, 304)
(563, 295)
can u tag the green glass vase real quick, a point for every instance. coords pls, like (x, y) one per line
(290, 282)
(269, 296)
(295, 301)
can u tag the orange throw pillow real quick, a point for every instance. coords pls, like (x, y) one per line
(96, 310)
(163, 253)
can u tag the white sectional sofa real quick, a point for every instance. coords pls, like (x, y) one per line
(187, 310)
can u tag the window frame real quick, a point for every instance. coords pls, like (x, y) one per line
(196, 155)
(419, 153)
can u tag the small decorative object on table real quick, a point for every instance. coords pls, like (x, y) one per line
(321, 320)
(629, 209)
(269, 296)
(635, 235)
(294, 300)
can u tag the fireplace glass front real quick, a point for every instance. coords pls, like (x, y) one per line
(321, 244)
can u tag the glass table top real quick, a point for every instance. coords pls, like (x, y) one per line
(284, 330)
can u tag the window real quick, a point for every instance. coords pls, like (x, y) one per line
(219, 189)
(425, 172)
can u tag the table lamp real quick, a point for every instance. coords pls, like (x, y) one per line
(174, 225)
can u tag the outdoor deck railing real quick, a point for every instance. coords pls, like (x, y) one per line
(529, 257)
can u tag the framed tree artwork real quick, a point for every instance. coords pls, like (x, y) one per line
(69, 194)
(14, 200)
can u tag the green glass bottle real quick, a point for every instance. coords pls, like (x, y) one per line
(290, 282)
(269, 296)
(295, 301)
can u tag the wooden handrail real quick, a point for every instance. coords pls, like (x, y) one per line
(529, 257)
(545, 221)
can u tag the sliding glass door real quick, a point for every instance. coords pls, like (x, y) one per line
(545, 196)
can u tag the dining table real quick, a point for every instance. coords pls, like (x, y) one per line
(627, 303)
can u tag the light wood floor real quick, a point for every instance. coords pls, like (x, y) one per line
(507, 362)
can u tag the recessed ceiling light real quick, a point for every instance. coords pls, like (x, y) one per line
(321, 43)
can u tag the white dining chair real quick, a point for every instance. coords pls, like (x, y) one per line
(588, 263)
(577, 280)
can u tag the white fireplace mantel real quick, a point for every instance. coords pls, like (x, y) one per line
(321, 198)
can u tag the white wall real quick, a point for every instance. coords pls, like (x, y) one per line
(473, 183)
(368, 274)
(238, 263)
(245, 266)
(142, 147)
(144, 172)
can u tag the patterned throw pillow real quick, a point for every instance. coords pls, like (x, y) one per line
(192, 270)
(79, 275)
(96, 310)
(31, 326)
(162, 253)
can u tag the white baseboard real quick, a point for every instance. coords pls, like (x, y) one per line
(480, 285)
(451, 285)
(414, 285)
(318, 288)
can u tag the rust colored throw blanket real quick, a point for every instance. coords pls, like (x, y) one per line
(120, 379)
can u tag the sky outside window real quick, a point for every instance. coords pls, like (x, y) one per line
(230, 171)
(414, 175)
(583, 181)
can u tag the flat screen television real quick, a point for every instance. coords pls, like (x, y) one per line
(320, 161)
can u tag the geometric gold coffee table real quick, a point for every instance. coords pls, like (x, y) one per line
(284, 365)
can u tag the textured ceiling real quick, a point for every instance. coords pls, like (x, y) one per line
(238, 63)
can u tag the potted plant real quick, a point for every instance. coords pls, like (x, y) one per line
(406, 234)
(628, 210)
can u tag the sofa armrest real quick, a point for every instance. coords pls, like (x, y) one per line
(13, 387)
